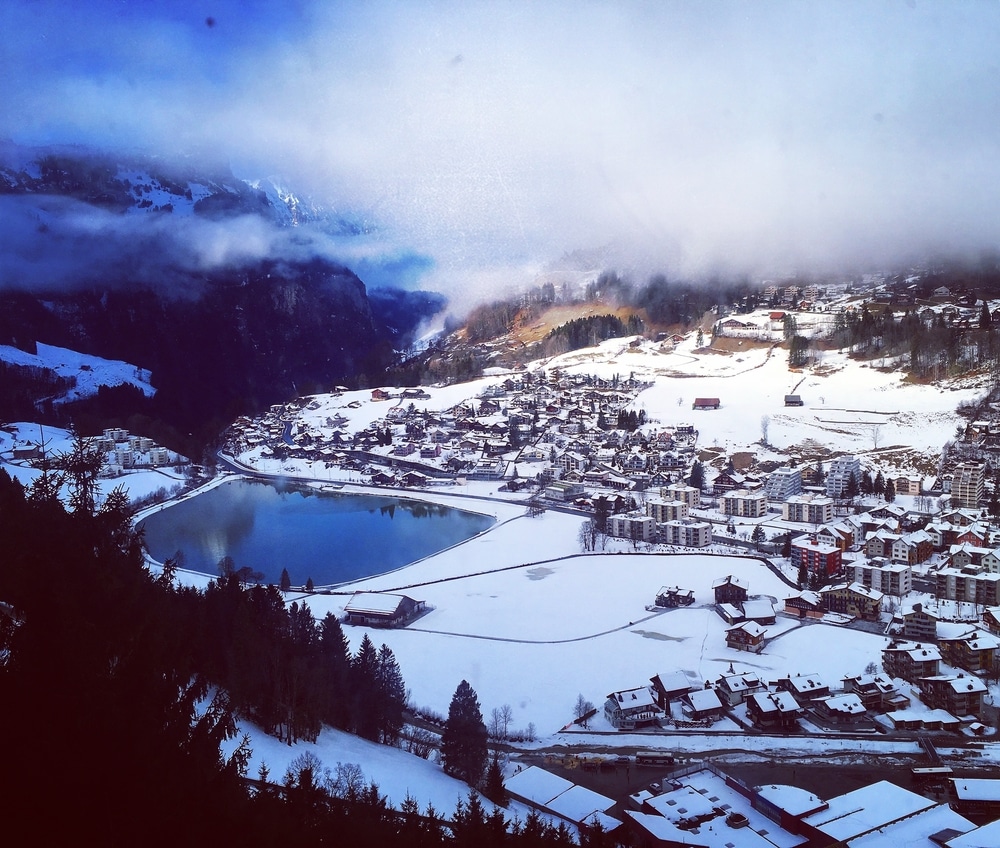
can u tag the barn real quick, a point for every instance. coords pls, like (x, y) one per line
(381, 609)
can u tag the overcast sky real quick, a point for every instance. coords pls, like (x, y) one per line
(496, 138)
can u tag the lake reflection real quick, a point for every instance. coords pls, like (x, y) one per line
(330, 538)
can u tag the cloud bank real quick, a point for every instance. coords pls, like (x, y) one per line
(497, 137)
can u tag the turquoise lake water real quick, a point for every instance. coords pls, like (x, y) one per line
(328, 537)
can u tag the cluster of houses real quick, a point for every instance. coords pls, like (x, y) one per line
(565, 426)
(121, 451)
(747, 698)
(950, 700)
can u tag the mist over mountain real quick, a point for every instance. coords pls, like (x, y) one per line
(230, 293)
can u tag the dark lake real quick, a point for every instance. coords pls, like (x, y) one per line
(329, 537)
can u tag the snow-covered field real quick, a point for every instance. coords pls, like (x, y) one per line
(90, 372)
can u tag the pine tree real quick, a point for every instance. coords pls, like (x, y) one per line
(286, 581)
(890, 491)
(879, 484)
(463, 742)
(867, 485)
(786, 545)
(391, 697)
(697, 475)
(364, 676)
(851, 489)
(493, 787)
(757, 536)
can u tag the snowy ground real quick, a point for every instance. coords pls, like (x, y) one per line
(90, 372)
(137, 483)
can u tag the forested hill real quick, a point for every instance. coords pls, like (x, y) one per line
(113, 734)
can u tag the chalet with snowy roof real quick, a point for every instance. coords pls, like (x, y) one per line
(669, 686)
(991, 619)
(726, 481)
(911, 660)
(975, 651)
(674, 596)
(961, 694)
(967, 553)
(381, 609)
(839, 534)
(748, 636)
(793, 400)
(773, 710)
(381, 478)
(853, 599)
(730, 590)
(380, 394)
(702, 705)
(632, 708)
(840, 709)
(804, 687)
(735, 687)
(877, 692)
(805, 604)
(706, 403)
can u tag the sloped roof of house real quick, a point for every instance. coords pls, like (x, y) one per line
(375, 603)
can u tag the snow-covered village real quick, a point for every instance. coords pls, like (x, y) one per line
(699, 558)
(500, 425)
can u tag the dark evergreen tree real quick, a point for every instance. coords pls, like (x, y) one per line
(757, 536)
(463, 742)
(851, 489)
(878, 485)
(493, 787)
(697, 476)
(867, 485)
(391, 697)
(786, 545)
(803, 577)
(364, 683)
(309, 584)
(286, 581)
(890, 490)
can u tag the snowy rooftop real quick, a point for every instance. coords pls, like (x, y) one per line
(374, 602)
(791, 799)
(866, 809)
(916, 831)
(986, 836)
(703, 793)
(572, 802)
(976, 789)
